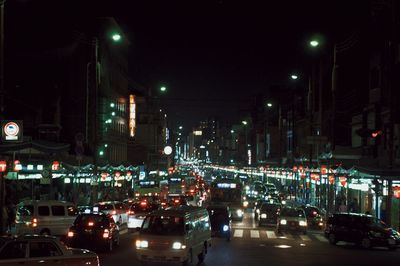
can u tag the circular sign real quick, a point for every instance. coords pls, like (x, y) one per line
(11, 129)
(167, 150)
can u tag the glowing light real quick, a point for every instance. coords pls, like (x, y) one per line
(282, 246)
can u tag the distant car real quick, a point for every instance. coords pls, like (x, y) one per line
(138, 212)
(364, 230)
(269, 214)
(315, 218)
(94, 230)
(257, 206)
(116, 209)
(220, 219)
(43, 250)
(292, 219)
(175, 200)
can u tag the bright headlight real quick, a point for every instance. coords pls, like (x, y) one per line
(245, 203)
(178, 245)
(263, 216)
(303, 223)
(142, 244)
(239, 212)
(225, 228)
(283, 222)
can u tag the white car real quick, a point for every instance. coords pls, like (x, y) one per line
(138, 211)
(116, 209)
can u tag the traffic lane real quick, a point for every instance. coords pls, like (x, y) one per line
(248, 220)
(125, 254)
(285, 251)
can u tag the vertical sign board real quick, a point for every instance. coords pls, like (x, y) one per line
(11, 131)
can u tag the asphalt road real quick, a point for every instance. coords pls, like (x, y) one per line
(253, 245)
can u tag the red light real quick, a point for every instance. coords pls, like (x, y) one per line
(176, 201)
(143, 203)
(106, 233)
(376, 133)
(90, 223)
(17, 166)
(3, 166)
(70, 234)
(55, 166)
(314, 213)
(114, 212)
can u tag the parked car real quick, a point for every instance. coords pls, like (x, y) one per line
(292, 219)
(269, 213)
(94, 230)
(45, 217)
(116, 209)
(138, 212)
(43, 250)
(364, 230)
(220, 219)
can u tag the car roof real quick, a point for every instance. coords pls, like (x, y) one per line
(179, 211)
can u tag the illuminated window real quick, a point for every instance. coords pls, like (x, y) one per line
(132, 116)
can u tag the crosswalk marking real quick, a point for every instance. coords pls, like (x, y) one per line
(238, 233)
(254, 234)
(305, 238)
(271, 234)
(320, 238)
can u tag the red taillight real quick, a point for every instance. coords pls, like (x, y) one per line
(314, 213)
(70, 234)
(106, 233)
(130, 212)
(90, 223)
(114, 212)
(143, 203)
(176, 201)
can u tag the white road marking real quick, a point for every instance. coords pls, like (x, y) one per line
(254, 234)
(238, 233)
(271, 234)
(321, 238)
(305, 238)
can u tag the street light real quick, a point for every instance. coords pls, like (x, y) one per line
(116, 37)
(244, 122)
(180, 127)
(269, 104)
(163, 89)
(294, 76)
(314, 43)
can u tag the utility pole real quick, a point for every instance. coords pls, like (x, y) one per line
(95, 89)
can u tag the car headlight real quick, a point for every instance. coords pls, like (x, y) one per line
(283, 222)
(239, 212)
(258, 211)
(225, 228)
(178, 245)
(303, 223)
(263, 216)
(142, 244)
(245, 203)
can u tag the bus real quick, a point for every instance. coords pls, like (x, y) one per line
(176, 185)
(148, 188)
(228, 192)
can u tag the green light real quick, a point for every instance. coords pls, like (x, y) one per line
(106, 145)
(244, 122)
(116, 37)
(101, 153)
(269, 104)
(314, 43)
(163, 89)
(113, 113)
(112, 105)
(108, 121)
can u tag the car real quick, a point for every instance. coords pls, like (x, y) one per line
(362, 229)
(176, 200)
(138, 212)
(43, 250)
(220, 219)
(315, 217)
(269, 213)
(115, 208)
(94, 230)
(292, 219)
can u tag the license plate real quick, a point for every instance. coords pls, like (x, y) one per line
(391, 242)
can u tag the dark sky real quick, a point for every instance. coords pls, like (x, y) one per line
(214, 56)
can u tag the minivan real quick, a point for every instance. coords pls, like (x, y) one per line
(176, 234)
(45, 217)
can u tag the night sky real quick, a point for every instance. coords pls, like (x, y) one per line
(213, 56)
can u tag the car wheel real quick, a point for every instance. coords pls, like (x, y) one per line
(332, 239)
(366, 243)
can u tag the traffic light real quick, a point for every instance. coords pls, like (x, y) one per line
(17, 166)
(3, 166)
(55, 166)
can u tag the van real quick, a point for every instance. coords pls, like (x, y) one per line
(45, 217)
(175, 234)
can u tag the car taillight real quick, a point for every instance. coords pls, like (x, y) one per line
(114, 212)
(106, 233)
(90, 223)
(130, 212)
(34, 222)
(70, 234)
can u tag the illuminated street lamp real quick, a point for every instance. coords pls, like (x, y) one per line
(294, 76)
(269, 104)
(163, 89)
(314, 43)
(180, 127)
(116, 37)
(244, 122)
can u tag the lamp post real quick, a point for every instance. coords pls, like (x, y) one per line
(244, 122)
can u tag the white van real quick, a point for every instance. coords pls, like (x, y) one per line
(175, 234)
(47, 217)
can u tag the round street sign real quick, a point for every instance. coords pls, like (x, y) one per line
(11, 129)
(167, 150)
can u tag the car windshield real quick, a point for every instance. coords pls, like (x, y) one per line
(375, 223)
(269, 207)
(105, 207)
(89, 220)
(163, 225)
(292, 212)
(143, 207)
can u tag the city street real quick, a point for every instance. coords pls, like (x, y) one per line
(252, 245)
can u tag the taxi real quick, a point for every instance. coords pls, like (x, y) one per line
(94, 229)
